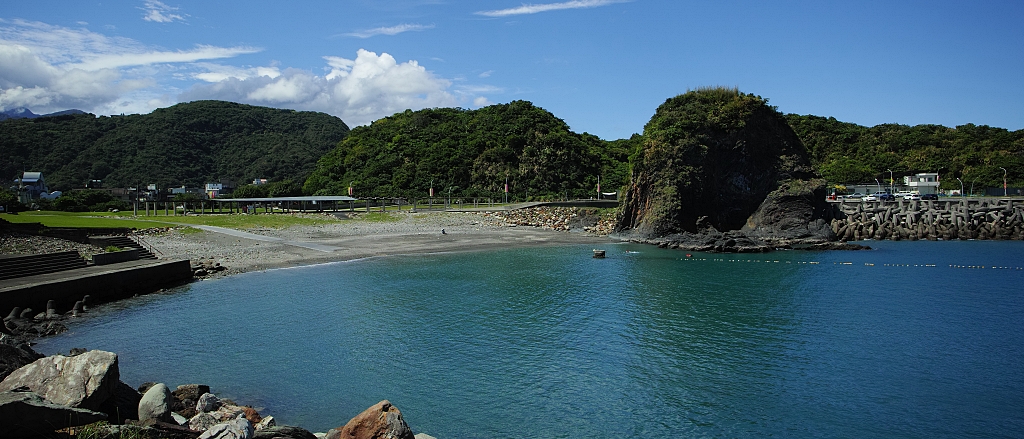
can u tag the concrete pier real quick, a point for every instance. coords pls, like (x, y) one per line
(104, 283)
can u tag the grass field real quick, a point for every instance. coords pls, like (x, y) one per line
(124, 219)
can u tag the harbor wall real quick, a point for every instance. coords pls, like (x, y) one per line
(947, 219)
(104, 285)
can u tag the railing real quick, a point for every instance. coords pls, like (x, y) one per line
(146, 245)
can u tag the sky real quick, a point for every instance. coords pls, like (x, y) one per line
(603, 66)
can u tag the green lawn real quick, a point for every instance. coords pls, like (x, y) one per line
(80, 219)
(125, 219)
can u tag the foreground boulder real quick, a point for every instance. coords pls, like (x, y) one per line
(26, 414)
(234, 429)
(156, 404)
(380, 421)
(82, 381)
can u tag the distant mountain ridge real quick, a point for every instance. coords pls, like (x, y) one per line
(186, 144)
(25, 113)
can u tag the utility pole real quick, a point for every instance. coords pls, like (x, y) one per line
(1004, 180)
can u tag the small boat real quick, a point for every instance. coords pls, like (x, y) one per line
(599, 253)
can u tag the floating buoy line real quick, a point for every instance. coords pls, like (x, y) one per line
(689, 257)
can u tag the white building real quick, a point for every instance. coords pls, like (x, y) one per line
(924, 183)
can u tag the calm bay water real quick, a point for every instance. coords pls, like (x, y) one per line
(912, 339)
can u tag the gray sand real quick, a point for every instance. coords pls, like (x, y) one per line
(355, 239)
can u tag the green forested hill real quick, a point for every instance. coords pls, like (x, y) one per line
(472, 152)
(186, 144)
(844, 152)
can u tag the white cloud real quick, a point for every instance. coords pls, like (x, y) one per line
(161, 57)
(392, 30)
(159, 12)
(481, 102)
(51, 68)
(358, 90)
(486, 74)
(533, 9)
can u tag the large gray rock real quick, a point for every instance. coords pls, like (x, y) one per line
(208, 402)
(205, 420)
(156, 404)
(26, 414)
(234, 429)
(83, 381)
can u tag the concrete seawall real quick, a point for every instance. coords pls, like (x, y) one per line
(953, 218)
(102, 283)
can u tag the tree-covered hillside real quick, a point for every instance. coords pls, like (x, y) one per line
(186, 144)
(844, 152)
(472, 152)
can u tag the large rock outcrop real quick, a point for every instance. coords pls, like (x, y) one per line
(83, 381)
(795, 213)
(709, 160)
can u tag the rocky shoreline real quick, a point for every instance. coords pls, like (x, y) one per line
(81, 395)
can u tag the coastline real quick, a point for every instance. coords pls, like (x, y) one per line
(352, 239)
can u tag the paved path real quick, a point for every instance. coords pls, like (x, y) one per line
(253, 236)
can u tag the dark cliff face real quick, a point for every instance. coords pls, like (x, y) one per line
(711, 154)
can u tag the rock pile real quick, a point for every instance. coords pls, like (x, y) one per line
(75, 393)
(556, 218)
(206, 267)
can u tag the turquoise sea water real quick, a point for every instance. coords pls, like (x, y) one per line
(911, 339)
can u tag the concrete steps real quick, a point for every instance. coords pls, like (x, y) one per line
(122, 242)
(12, 267)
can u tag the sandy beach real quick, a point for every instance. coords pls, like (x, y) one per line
(347, 239)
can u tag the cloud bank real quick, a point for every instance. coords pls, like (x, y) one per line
(534, 9)
(51, 68)
(358, 90)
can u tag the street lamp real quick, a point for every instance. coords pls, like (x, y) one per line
(972, 186)
(1004, 180)
(879, 185)
(961, 187)
(892, 183)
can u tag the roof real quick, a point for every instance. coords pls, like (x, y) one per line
(262, 200)
(31, 177)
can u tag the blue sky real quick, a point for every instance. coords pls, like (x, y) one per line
(601, 65)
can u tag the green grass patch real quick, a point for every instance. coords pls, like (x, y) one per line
(125, 219)
(377, 217)
(80, 219)
(237, 221)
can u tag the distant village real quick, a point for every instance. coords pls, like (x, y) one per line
(31, 187)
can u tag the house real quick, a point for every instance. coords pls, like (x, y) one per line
(31, 186)
(923, 183)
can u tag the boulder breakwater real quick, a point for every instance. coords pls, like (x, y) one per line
(954, 218)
